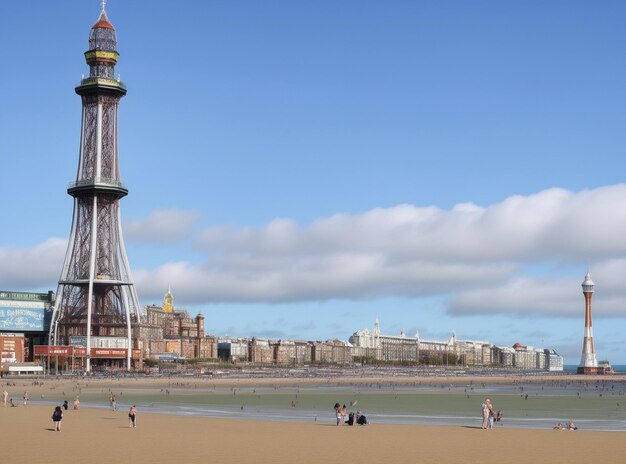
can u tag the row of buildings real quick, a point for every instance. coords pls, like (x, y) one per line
(374, 346)
(167, 333)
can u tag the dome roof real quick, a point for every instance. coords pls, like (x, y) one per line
(103, 22)
(588, 281)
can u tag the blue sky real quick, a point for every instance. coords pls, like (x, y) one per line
(297, 169)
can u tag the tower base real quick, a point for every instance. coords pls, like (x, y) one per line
(600, 370)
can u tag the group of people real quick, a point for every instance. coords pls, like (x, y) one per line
(570, 426)
(489, 415)
(57, 416)
(353, 418)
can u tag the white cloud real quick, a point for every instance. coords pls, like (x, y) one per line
(161, 226)
(475, 254)
(34, 267)
(479, 258)
(552, 224)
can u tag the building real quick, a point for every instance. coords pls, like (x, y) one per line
(554, 361)
(233, 350)
(24, 323)
(260, 351)
(166, 329)
(374, 346)
(523, 357)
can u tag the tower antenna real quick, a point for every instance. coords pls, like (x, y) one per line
(104, 3)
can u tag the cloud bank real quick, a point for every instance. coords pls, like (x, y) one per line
(162, 226)
(481, 259)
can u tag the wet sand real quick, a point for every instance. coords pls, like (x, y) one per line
(100, 435)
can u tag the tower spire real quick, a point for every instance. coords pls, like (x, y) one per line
(104, 4)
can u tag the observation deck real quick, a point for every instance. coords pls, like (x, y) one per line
(91, 85)
(97, 185)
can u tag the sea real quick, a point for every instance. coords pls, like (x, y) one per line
(591, 405)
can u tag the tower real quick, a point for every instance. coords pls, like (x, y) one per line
(588, 362)
(96, 295)
(168, 301)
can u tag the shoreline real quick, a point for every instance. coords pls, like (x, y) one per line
(385, 400)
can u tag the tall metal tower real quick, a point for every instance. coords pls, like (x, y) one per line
(96, 295)
(588, 361)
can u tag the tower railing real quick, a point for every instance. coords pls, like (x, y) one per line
(102, 81)
(96, 181)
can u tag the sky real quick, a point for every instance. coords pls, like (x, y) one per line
(299, 169)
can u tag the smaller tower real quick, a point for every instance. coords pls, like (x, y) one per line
(588, 361)
(168, 301)
(376, 334)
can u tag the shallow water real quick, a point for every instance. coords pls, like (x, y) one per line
(593, 406)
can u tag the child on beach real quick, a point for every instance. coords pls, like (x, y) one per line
(57, 417)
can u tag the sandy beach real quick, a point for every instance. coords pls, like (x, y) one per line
(98, 434)
(93, 435)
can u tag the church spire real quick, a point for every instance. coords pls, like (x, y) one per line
(376, 328)
(168, 301)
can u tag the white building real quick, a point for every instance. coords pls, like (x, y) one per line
(376, 346)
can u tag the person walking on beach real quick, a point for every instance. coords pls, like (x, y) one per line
(26, 398)
(76, 403)
(5, 395)
(132, 416)
(57, 417)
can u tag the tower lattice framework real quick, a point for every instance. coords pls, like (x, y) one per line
(96, 295)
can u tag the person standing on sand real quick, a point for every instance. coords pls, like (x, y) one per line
(5, 395)
(338, 413)
(132, 416)
(57, 417)
(492, 415)
(26, 398)
(486, 406)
